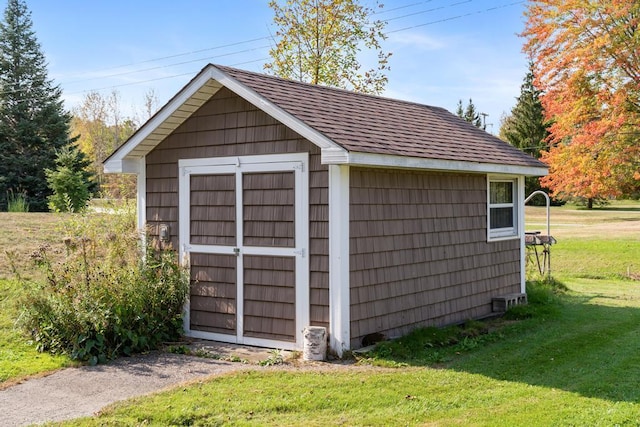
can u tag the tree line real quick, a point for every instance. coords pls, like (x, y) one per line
(578, 110)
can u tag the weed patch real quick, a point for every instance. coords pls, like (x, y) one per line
(108, 296)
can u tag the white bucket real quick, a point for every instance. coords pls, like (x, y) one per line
(315, 343)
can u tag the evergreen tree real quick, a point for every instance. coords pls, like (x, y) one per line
(460, 109)
(470, 113)
(71, 182)
(33, 122)
(526, 127)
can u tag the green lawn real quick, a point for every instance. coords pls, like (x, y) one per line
(408, 396)
(576, 362)
(18, 358)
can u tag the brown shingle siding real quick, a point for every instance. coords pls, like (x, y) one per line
(419, 253)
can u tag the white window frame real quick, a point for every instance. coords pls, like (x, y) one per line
(505, 232)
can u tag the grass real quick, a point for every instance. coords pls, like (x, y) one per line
(578, 366)
(21, 234)
(599, 243)
(574, 359)
(18, 358)
(17, 202)
(409, 396)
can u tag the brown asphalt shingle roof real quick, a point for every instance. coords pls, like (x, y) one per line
(370, 124)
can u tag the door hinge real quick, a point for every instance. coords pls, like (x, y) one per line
(299, 166)
(301, 252)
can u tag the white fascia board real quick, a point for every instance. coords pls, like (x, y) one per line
(404, 162)
(274, 111)
(128, 165)
(334, 156)
(112, 165)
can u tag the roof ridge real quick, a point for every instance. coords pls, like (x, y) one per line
(329, 88)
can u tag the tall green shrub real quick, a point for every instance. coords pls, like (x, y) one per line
(109, 296)
(71, 182)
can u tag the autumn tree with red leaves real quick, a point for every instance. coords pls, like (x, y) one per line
(587, 65)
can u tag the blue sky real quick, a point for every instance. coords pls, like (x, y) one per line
(443, 50)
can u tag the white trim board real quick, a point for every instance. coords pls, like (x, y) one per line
(339, 302)
(404, 162)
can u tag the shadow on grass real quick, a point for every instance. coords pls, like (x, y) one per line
(592, 350)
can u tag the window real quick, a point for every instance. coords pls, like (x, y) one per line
(503, 219)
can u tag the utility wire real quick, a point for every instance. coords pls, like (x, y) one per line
(420, 12)
(190, 73)
(177, 55)
(264, 46)
(477, 12)
(245, 42)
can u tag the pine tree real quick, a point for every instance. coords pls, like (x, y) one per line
(460, 109)
(470, 113)
(33, 122)
(72, 182)
(526, 127)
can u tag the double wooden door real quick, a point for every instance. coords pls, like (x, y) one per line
(244, 232)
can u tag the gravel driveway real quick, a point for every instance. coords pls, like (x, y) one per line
(77, 392)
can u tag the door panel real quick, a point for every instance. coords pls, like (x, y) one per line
(269, 297)
(213, 209)
(268, 209)
(213, 293)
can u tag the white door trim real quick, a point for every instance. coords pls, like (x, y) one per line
(296, 162)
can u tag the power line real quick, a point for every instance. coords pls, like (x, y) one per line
(124, 73)
(240, 43)
(265, 46)
(420, 12)
(380, 12)
(477, 12)
(191, 73)
(177, 55)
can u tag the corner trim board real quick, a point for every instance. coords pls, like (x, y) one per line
(339, 304)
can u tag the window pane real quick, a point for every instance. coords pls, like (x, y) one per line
(501, 218)
(501, 192)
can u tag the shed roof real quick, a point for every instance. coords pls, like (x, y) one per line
(349, 127)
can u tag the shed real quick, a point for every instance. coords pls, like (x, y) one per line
(300, 205)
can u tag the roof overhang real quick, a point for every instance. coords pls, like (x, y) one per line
(403, 162)
(193, 96)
